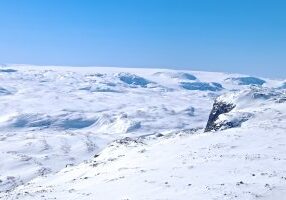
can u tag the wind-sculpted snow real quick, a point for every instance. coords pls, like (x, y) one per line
(189, 111)
(247, 80)
(64, 121)
(99, 88)
(116, 124)
(102, 123)
(3, 91)
(142, 126)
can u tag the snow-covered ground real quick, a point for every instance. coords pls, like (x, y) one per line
(124, 133)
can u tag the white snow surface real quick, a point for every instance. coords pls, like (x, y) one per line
(127, 133)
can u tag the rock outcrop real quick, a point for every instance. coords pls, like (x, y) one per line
(219, 107)
(232, 109)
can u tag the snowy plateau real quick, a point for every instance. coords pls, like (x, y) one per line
(99, 133)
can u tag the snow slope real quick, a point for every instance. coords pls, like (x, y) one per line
(147, 129)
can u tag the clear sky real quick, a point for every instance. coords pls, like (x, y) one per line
(246, 36)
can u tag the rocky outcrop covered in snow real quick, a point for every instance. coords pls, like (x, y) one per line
(232, 109)
(219, 107)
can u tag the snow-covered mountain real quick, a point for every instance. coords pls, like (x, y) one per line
(124, 133)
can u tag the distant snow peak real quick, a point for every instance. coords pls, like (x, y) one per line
(247, 80)
(176, 75)
(201, 86)
(133, 80)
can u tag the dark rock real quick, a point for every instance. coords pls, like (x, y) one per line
(218, 109)
(159, 135)
(235, 122)
(224, 105)
(240, 183)
(128, 141)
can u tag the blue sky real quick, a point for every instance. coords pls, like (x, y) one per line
(246, 36)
